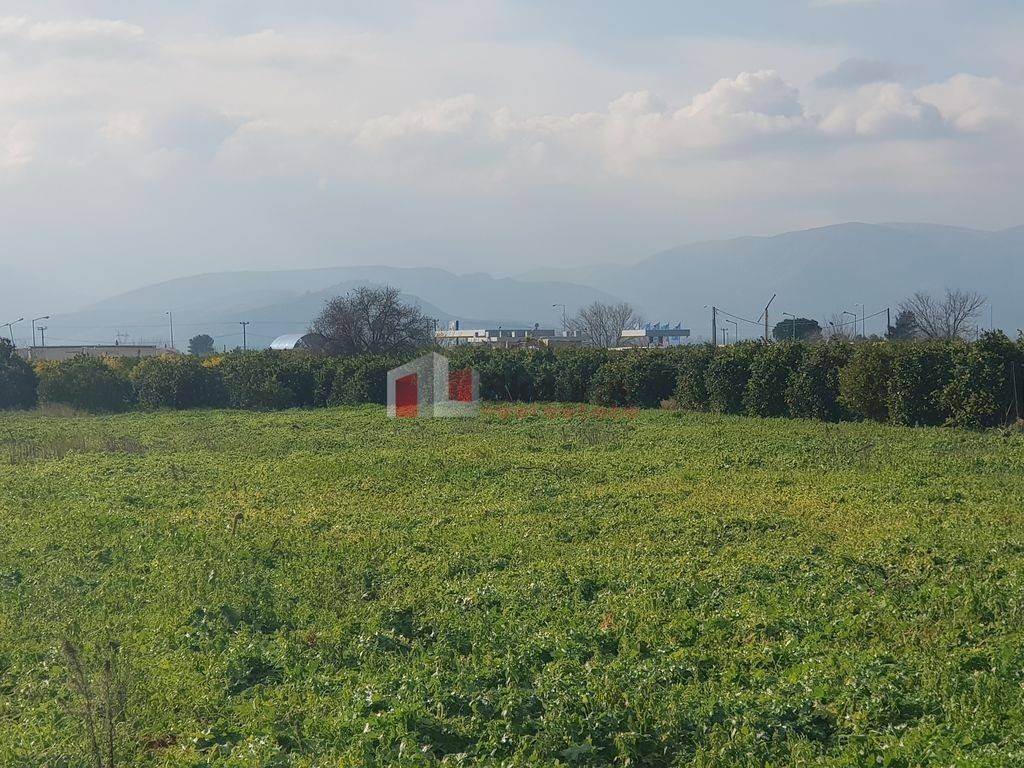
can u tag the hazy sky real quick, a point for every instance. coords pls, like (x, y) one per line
(145, 140)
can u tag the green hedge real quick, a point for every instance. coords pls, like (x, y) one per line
(178, 383)
(18, 382)
(958, 383)
(86, 384)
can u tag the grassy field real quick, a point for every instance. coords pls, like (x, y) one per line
(332, 588)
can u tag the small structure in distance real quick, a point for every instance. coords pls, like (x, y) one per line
(655, 335)
(507, 337)
(311, 342)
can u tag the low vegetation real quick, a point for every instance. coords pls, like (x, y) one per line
(530, 587)
(966, 384)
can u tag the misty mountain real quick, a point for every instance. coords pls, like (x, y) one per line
(817, 273)
(287, 301)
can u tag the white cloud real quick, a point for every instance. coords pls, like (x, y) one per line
(975, 104)
(88, 37)
(449, 117)
(883, 111)
(520, 141)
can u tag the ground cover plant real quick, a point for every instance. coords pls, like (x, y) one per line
(530, 587)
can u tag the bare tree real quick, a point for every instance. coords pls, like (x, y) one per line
(945, 318)
(373, 321)
(602, 324)
(840, 328)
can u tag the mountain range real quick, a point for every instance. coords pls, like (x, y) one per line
(815, 273)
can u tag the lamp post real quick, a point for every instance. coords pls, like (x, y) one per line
(736, 332)
(42, 335)
(793, 323)
(10, 328)
(565, 322)
(863, 319)
(854, 316)
(42, 317)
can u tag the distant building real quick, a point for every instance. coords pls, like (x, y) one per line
(312, 342)
(59, 353)
(655, 335)
(507, 337)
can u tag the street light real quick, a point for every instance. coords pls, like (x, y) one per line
(42, 335)
(854, 316)
(786, 314)
(736, 334)
(10, 328)
(565, 323)
(43, 317)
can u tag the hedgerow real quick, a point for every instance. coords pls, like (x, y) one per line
(178, 383)
(18, 381)
(86, 384)
(981, 391)
(919, 374)
(727, 376)
(813, 389)
(773, 364)
(956, 383)
(864, 381)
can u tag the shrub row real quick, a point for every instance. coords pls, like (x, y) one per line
(251, 380)
(957, 383)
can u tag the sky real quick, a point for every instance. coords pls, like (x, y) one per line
(141, 141)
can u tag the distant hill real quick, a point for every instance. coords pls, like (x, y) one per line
(287, 301)
(818, 272)
(815, 272)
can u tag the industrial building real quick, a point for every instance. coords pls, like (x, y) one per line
(507, 337)
(655, 335)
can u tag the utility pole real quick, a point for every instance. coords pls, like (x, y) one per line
(10, 328)
(42, 334)
(170, 318)
(888, 322)
(43, 317)
(244, 323)
(766, 315)
(714, 324)
(736, 335)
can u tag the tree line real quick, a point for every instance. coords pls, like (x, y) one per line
(957, 383)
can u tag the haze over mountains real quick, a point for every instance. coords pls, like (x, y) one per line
(815, 273)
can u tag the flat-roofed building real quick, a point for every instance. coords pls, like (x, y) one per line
(655, 335)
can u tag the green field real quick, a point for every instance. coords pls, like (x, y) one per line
(331, 588)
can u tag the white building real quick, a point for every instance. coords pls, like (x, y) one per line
(655, 335)
(506, 337)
